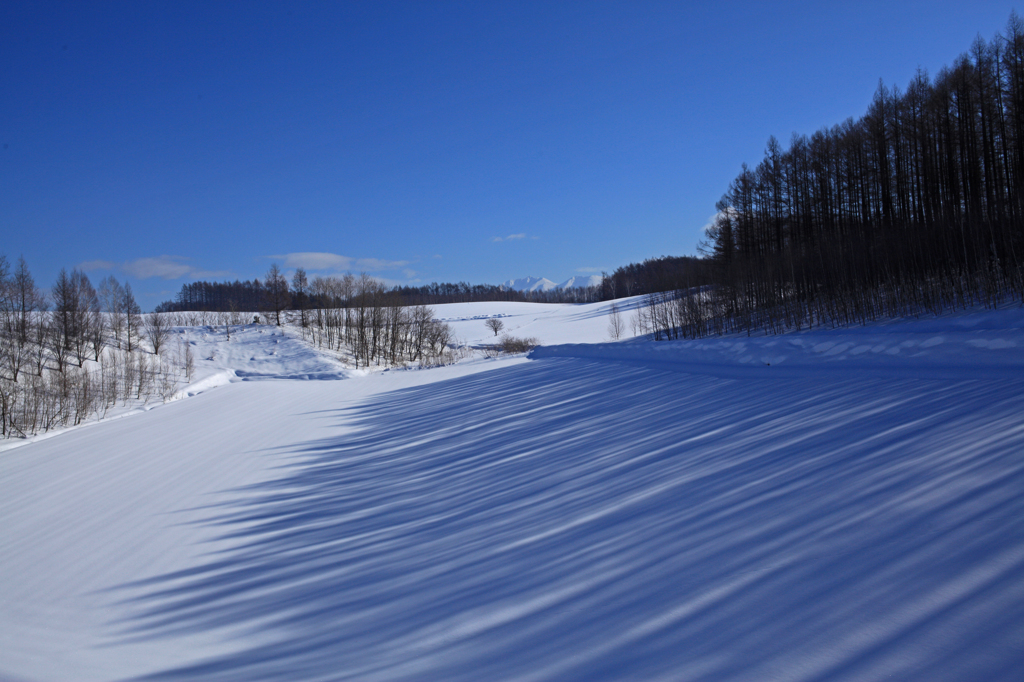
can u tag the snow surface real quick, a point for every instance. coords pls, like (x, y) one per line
(834, 504)
(549, 323)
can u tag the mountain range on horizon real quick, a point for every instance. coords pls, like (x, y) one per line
(544, 284)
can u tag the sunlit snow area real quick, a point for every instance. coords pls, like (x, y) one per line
(839, 504)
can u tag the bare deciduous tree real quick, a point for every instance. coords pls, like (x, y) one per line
(86, 302)
(132, 316)
(111, 295)
(157, 330)
(143, 376)
(616, 325)
(235, 315)
(40, 335)
(187, 358)
(300, 295)
(21, 304)
(276, 292)
(8, 341)
(97, 332)
(495, 325)
(65, 301)
(55, 339)
(224, 319)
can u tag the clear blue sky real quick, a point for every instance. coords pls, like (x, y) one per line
(418, 141)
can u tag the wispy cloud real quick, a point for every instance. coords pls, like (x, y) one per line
(318, 260)
(178, 267)
(370, 264)
(162, 267)
(313, 260)
(509, 238)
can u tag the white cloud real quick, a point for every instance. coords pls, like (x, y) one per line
(511, 237)
(378, 264)
(312, 260)
(163, 267)
(178, 267)
(316, 260)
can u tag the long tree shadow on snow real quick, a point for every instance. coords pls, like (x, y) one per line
(567, 519)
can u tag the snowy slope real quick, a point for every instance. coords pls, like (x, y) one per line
(549, 323)
(841, 504)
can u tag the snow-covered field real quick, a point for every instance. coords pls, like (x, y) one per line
(828, 505)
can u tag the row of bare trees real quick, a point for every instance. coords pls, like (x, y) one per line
(41, 402)
(77, 326)
(274, 294)
(217, 297)
(74, 353)
(917, 205)
(361, 316)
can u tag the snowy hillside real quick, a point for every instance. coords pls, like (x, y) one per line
(828, 505)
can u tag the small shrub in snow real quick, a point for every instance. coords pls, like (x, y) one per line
(511, 344)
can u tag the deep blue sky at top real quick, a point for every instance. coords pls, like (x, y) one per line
(418, 141)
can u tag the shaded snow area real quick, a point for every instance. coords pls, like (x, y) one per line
(829, 505)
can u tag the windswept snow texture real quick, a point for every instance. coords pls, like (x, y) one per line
(833, 505)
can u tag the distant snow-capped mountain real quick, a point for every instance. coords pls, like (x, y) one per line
(544, 284)
(581, 282)
(530, 284)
